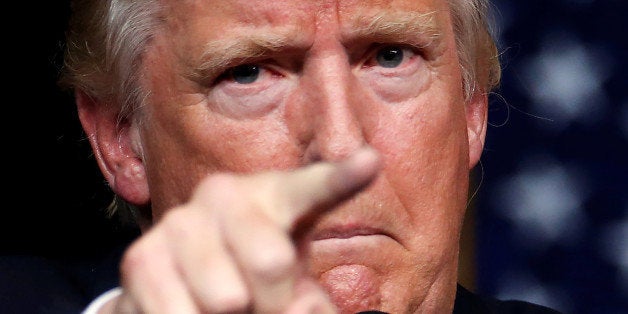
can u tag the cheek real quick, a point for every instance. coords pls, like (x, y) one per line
(425, 149)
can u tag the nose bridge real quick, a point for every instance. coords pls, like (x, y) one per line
(337, 127)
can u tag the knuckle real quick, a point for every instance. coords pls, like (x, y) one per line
(136, 258)
(220, 188)
(235, 301)
(217, 183)
(177, 224)
(273, 265)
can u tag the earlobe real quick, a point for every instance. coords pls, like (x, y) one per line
(477, 112)
(116, 147)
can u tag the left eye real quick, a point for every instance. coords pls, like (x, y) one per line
(390, 57)
(245, 74)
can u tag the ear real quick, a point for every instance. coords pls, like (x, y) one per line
(476, 111)
(117, 148)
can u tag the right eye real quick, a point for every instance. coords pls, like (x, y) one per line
(393, 58)
(390, 57)
(245, 74)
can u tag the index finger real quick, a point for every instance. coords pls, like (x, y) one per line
(297, 193)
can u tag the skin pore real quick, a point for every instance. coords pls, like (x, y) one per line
(252, 85)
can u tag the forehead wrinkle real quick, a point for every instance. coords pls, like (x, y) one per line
(385, 26)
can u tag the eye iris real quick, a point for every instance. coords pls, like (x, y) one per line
(390, 57)
(245, 74)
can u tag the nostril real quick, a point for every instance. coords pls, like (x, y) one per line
(331, 149)
(312, 153)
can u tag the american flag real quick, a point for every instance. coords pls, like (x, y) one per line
(552, 209)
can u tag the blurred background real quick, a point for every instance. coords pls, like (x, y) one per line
(549, 222)
(552, 209)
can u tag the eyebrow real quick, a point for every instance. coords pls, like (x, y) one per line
(414, 28)
(221, 54)
(418, 28)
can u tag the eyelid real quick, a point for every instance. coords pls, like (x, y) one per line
(415, 49)
(374, 49)
(264, 65)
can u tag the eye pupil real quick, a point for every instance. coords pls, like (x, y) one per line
(390, 57)
(245, 74)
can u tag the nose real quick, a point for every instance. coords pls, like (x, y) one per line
(331, 98)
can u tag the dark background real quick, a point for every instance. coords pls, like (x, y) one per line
(56, 197)
(552, 209)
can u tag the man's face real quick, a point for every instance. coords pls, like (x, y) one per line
(251, 85)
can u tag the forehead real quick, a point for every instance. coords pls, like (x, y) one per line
(298, 17)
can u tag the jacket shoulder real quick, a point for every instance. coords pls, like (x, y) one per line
(468, 302)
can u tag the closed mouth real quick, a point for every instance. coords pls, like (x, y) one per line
(346, 233)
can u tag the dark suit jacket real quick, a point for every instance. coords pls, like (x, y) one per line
(40, 285)
(468, 303)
